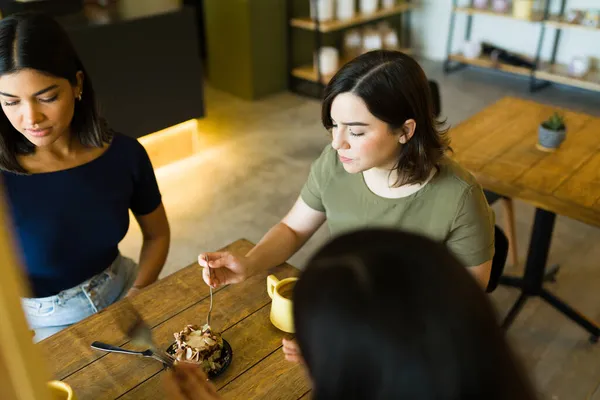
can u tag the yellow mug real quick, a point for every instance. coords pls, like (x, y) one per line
(282, 314)
(60, 390)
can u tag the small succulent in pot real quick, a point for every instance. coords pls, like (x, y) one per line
(552, 132)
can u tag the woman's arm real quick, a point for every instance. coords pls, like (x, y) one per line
(482, 273)
(157, 236)
(287, 237)
(276, 247)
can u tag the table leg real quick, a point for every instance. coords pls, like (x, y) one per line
(535, 274)
(571, 313)
(516, 308)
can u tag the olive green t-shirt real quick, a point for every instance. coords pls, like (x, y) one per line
(450, 208)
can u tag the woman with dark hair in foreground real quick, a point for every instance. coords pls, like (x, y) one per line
(70, 181)
(382, 314)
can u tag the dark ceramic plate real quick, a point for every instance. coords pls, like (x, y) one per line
(226, 356)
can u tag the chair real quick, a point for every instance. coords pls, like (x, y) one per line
(499, 260)
(509, 223)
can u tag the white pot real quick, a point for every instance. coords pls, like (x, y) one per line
(388, 3)
(345, 9)
(371, 40)
(328, 59)
(472, 49)
(390, 40)
(352, 43)
(481, 4)
(500, 5)
(324, 9)
(579, 67)
(368, 6)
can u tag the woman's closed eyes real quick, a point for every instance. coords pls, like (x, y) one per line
(334, 126)
(43, 100)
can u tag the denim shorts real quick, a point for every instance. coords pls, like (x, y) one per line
(49, 315)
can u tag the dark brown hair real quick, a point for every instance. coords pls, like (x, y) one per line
(38, 42)
(395, 89)
(383, 314)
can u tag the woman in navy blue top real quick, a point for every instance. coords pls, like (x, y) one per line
(70, 181)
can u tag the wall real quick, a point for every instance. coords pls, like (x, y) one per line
(246, 44)
(431, 21)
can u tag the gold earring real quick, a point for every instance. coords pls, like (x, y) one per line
(79, 96)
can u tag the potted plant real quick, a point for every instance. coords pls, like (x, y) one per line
(552, 132)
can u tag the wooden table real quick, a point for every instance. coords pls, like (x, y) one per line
(258, 369)
(498, 145)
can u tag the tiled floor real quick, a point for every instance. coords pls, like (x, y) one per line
(258, 155)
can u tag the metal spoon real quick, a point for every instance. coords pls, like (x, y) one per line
(211, 296)
(115, 349)
(134, 326)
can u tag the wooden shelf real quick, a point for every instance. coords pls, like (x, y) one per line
(330, 26)
(309, 73)
(486, 62)
(537, 17)
(559, 74)
(556, 22)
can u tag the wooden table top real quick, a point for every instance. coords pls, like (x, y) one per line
(498, 145)
(258, 369)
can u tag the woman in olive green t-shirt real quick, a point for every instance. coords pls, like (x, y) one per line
(386, 166)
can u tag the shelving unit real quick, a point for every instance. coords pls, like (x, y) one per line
(309, 72)
(474, 11)
(559, 74)
(557, 22)
(306, 78)
(487, 62)
(542, 74)
(335, 25)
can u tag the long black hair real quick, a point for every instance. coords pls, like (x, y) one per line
(394, 89)
(38, 42)
(382, 314)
